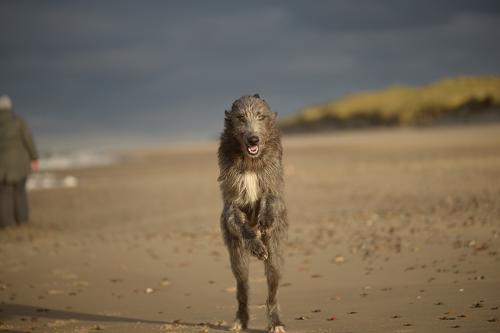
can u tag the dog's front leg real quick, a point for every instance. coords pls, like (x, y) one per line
(272, 213)
(272, 221)
(238, 226)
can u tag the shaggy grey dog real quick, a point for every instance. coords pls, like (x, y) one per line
(254, 219)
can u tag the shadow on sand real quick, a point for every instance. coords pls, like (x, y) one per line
(19, 310)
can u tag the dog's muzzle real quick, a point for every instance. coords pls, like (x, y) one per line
(253, 145)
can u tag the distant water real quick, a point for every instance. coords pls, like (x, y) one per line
(76, 160)
(53, 165)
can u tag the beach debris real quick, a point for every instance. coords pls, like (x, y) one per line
(396, 316)
(493, 320)
(332, 318)
(80, 283)
(61, 322)
(438, 303)
(476, 305)
(218, 323)
(494, 308)
(447, 318)
(461, 316)
(339, 259)
(316, 310)
(149, 290)
(481, 247)
(456, 326)
(116, 280)
(55, 292)
(302, 318)
(461, 290)
(203, 329)
(407, 324)
(164, 282)
(166, 327)
(352, 312)
(230, 289)
(70, 181)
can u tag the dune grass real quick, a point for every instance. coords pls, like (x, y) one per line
(405, 105)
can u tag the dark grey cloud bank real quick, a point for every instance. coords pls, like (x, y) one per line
(105, 72)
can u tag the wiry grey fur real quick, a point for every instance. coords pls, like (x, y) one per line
(254, 218)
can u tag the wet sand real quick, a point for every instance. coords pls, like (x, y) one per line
(391, 231)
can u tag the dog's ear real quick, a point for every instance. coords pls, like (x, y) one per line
(226, 113)
(256, 95)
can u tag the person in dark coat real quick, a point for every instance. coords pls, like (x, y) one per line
(18, 157)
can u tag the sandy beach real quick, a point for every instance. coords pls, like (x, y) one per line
(390, 231)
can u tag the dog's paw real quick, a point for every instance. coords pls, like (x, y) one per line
(258, 249)
(277, 329)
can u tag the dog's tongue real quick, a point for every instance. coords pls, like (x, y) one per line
(253, 149)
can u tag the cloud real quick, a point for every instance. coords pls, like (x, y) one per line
(166, 68)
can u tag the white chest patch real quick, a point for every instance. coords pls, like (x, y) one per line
(250, 186)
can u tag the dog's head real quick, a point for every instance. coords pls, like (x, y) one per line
(251, 122)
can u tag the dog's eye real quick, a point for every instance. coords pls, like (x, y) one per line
(261, 117)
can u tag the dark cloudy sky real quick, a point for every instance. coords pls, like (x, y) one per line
(103, 72)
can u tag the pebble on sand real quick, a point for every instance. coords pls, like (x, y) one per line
(164, 282)
(339, 259)
(230, 289)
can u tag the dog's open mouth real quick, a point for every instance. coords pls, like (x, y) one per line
(253, 150)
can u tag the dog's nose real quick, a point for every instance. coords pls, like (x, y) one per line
(253, 140)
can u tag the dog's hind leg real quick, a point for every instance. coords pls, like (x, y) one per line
(240, 266)
(272, 267)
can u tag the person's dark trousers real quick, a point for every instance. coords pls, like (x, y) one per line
(21, 210)
(7, 205)
(13, 203)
